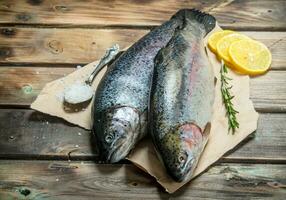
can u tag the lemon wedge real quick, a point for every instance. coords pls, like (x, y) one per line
(250, 57)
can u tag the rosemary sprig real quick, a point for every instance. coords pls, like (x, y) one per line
(227, 99)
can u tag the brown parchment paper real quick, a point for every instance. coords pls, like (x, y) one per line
(144, 156)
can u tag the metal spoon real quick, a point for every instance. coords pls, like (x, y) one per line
(81, 92)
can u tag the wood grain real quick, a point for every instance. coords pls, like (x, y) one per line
(19, 86)
(77, 45)
(27, 134)
(23, 84)
(245, 14)
(30, 45)
(75, 180)
(268, 92)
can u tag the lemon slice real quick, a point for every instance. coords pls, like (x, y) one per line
(250, 57)
(224, 43)
(215, 37)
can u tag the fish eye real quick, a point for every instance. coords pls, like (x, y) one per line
(183, 157)
(109, 138)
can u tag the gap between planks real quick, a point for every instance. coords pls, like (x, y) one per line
(130, 27)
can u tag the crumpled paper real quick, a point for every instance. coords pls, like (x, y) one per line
(144, 156)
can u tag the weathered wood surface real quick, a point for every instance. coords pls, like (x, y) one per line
(19, 86)
(30, 45)
(246, 14)
(76, 180)
(28, 134)
(268, 92)
(29, 40)
(77, 45)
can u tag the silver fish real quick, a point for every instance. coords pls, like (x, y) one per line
(121, 100)
(182, 96)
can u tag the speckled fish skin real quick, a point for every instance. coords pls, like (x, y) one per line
(122, 97)
(182, 96)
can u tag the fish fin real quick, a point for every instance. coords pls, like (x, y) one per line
(207, 20)
(207, 130)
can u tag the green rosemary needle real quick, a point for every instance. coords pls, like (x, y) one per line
(227, 99)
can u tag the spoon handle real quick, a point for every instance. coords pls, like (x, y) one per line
(109, 55)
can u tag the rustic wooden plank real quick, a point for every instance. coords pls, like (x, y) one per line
(23, 84)
(250, 14)
(267, 144)
(268, 92)
(75, 180)
(70, 46)
(19, 86)
(28, 134)
(30, 45)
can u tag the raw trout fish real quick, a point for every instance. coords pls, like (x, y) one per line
(182, 96)
(122, 97)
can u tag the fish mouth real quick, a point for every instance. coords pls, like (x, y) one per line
(187, 171)
(119, 151)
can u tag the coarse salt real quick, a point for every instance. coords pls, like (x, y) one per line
(78, 93)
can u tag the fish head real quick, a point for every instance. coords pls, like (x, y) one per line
(180, 150)
(116, 133)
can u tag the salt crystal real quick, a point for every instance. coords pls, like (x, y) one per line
(78, 67)
(79, 133)
(47, 122)
(78, 93)
(76, 146)
(57, 179)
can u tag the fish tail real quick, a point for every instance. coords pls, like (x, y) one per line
(186, 15)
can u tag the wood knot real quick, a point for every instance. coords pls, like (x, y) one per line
(23, 17)
(5, 52)
(27, 89)
(276, 185)
(61, 8)
(11, 137)
(35, 2)
(6, 6)
(55, 46)
(24, 191)
(134, 184)
(8, 31)
(62, 166)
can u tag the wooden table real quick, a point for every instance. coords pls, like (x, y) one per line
(42, 156)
